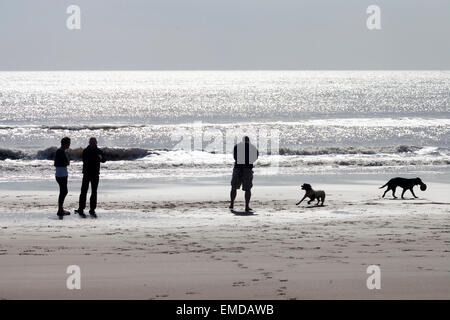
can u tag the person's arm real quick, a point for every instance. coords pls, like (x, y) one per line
(56, 160)
(101, 156)
(235, 153)
(66, 155)
(84, 157)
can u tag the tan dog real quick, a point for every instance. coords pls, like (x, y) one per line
(312, 194)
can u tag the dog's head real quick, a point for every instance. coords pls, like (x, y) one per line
(422, 185)
(306, 187)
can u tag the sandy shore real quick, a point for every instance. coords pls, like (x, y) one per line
(183, 243)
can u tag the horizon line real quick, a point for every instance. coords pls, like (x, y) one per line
(190, 70)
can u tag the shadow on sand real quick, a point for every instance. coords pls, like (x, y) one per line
(316, 206)
(404, 199)
(242, 213)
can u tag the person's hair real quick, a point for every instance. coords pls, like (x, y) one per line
(65, 141)
(246, 139)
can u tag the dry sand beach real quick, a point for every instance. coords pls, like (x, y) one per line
(182, 242)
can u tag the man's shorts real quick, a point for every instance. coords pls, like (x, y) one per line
(244, 177)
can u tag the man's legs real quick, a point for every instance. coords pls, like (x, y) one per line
(84, 190)
(248, 195)
(236, 181)
(62, 182)
(247, 184)
(93, 200)
(233, 193)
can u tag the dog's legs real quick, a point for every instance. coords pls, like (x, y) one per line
(404, 190)
(300, 201)
(393, 192)
(385, 192)
(413, 193)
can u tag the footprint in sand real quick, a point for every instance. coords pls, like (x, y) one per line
(267, 275)
(190, 292)
(240, 284)
(280, 292)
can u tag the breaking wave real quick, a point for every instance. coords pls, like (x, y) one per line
(12, 154)
(112, 154)
(348, 150)
(118, 154)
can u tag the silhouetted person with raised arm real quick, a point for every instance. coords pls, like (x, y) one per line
(61, 174)
(92, 157)
(244, 154)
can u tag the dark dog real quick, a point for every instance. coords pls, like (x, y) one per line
(406, 184)
(312, 194)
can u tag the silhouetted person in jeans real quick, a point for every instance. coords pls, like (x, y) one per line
(61, 175)
(92, 157)
(244, 154)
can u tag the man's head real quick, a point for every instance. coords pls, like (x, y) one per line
(246, 139)
(93, 142)
(65, 143)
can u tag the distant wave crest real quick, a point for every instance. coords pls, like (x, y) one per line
(105, 127)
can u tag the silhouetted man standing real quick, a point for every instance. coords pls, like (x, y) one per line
(245, 154)
(92, 157)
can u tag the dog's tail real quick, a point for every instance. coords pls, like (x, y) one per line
(383, 186)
